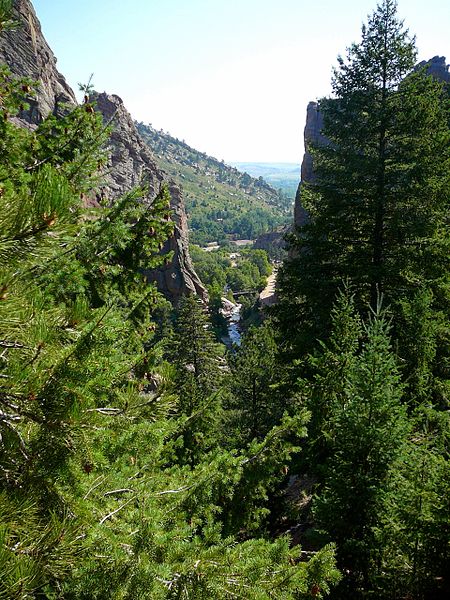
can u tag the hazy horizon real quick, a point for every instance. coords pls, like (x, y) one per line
(231, 78)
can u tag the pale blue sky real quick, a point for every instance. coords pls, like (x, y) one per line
(232, 78)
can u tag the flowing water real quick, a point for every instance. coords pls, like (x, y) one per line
(234, 332)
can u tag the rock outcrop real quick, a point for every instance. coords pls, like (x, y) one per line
(132, 162)
(437, 67)
(26, 52)
(312, 136)
(272, 239)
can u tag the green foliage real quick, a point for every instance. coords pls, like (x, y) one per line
(157, 530)
(379, 207)
(256, 402)
(113, 481)
(414, 534)
(367, 430)
(377, 447)
(197, 379)
(5, 15)
(325, 378)
(236, 269)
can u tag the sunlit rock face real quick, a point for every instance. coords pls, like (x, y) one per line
(26, 52)
(131, 162)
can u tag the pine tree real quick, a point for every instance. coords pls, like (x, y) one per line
(256, 403)
(379, 206)
(324, 381)
(415, 528)
(367, 430)
(74, 311)
(198, 378)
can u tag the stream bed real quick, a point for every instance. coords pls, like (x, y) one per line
(232, 313)
(234, 330)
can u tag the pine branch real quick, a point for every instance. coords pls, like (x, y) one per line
(111, 514)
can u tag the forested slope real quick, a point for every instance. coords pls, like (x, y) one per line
(222, 202)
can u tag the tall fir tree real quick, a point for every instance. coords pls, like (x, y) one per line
(366, 430)
(379, 204)
(256, 403)
(198, 376)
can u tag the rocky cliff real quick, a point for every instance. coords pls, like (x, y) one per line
(25, 50)
(312, 136)
(438, 67)
(272, 239)
(131, 162)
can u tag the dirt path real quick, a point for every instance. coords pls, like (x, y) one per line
(267, 296)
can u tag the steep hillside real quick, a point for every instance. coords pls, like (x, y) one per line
(284, 176)
(221, 201)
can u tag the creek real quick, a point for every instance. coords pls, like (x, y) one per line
(234, 331)
(232, 313)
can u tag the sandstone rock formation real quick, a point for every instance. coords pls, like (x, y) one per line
(25, 50)
(437, 67)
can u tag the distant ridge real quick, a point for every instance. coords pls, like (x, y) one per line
(280, 175)
(222, 202)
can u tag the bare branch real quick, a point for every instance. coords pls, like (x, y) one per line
(108, 516)
(121, 491)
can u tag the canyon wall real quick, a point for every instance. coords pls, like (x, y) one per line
(24, 49)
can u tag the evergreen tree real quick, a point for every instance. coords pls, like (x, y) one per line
(379, 206)
(414, 533)
(367, 430)
(255, 403)
(324, 382)
(198, 378)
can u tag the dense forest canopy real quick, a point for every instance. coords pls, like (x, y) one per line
(141, 459)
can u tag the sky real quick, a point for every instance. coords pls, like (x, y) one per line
(230, 77)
